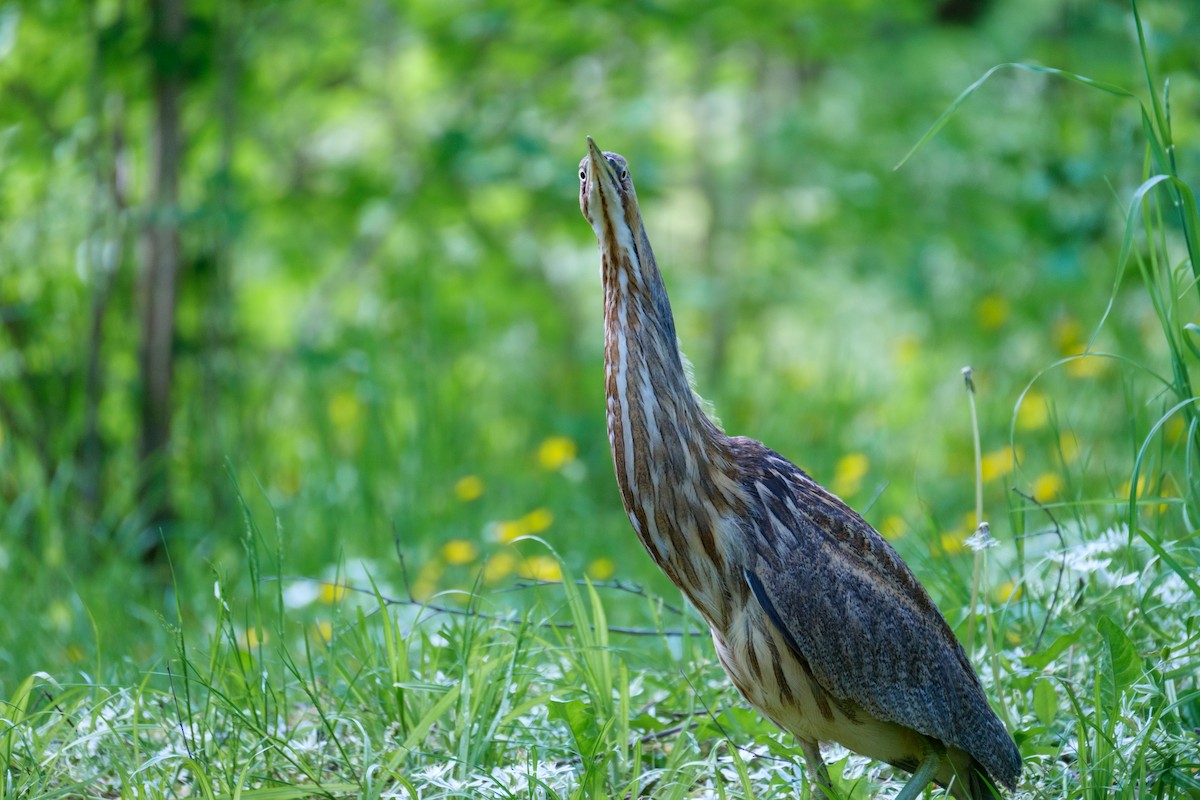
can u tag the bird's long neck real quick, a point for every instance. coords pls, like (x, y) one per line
(672, 463)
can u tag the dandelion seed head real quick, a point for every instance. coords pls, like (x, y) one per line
(981, 539)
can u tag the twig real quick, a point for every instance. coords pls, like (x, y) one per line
(403, 567)
(475, 614)
(179, 713)
(50, 699)
(620, 586)
(724, 734)
(472, 611)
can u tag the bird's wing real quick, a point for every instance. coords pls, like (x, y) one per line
(853, 610)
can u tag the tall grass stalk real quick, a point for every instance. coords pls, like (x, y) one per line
(980, 552)
(981, 542)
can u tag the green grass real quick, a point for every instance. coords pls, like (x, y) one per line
(257, 670)
(360, 695)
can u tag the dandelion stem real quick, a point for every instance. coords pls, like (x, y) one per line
(980, 552)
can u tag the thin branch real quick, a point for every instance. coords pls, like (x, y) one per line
(400, 557)
(187, 739)
(66, 717)
(483, 615)
(721, 728)
(472, 610)
(621, 586)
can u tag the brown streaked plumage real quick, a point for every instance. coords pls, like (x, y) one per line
(817, 620)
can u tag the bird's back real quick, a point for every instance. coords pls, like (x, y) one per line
(857, 616)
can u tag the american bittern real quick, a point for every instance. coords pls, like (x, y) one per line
(817, 620)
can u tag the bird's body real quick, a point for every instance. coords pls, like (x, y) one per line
(815, 617)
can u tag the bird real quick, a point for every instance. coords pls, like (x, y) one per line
(815, 618)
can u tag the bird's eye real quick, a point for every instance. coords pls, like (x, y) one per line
(583, 173)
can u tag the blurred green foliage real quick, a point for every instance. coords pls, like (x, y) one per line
(390, 310)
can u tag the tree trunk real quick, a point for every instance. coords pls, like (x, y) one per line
(161, 267)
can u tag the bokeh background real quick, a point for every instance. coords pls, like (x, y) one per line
(317, 271)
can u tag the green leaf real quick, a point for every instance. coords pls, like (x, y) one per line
(1120, 664)
(1045, 701)
(1040, 660)
(581, 719)
(15, 711)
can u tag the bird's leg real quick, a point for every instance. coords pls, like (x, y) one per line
(921, 778)
(818, 773)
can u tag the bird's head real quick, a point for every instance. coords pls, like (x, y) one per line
(607, 198)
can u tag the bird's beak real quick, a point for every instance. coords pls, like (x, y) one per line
(601, 197)
(597, 164)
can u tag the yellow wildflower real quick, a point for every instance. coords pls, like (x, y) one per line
(253, 637)
(997, 464)
(1168, 492)
(601, 569)
(538, 520)
(555, 452)
(893, 527)
(507, 530)
(1007, 591)
(427, 578)
(344, 410)
(992, 312)
(1067, 334)
(459, 551)
(953, 543)
(535, 521)
(332, 593)
(499, 567)
(541, 568)
(468, 488)
(1034, 412)
(1172, 429)
(849, 472)
(1047, 486)
(1123, 492)
(1086, 366)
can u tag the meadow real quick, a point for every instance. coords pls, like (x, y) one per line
(380, 552)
